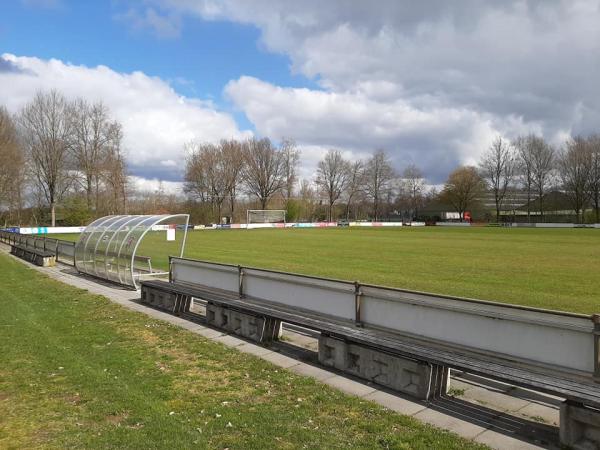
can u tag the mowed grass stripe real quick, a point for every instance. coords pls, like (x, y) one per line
(77, 371)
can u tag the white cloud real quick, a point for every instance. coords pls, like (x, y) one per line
(436, 138)
(433, 80)
(153, 185)
(156, 120)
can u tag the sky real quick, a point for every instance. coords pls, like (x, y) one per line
(431, 82)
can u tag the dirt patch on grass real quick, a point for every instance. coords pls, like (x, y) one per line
(117, 419)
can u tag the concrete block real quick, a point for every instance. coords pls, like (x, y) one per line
(255, 328)
(245, 325)
(400, 374)
(215, 316)
(46, 261)
(579, 426)
(333, 352)
(158, 298)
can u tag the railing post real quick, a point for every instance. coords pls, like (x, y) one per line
(241, 281)
(357, 304)
(596, 320)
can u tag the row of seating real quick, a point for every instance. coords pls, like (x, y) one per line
(408, 364)
(36, 256)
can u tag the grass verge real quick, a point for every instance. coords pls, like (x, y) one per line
(78, 371)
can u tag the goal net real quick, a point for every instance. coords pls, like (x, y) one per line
(257, 218)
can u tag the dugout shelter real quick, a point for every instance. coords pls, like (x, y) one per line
(108, 246)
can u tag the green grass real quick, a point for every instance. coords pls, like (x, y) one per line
(546, 268)
(77, 371)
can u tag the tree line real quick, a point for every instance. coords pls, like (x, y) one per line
(54, 149)
(268, 175)
(359, 189)
(531, 165)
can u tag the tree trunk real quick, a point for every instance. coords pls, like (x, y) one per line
(541, 206)
(528, 204)
(53, 214)
(375, 206)
(88, 192)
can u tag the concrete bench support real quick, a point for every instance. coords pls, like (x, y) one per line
(416, 378)
(166, 300)
(579, 426)
(256, 328)
(37, 257)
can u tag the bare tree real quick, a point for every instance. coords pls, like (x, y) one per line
(497, 168)
(524, 165)
(46, 128)
(574, 167)
(114, 171)
(594, 184)
(291, 161)
(90, 144)
(462, 188)
(543, 158)
(233, 162)
(13, 165)
(355, 184)
(332, 178)
(308, 200)
(413, 186)
(264, 172)
(378, 175)
(206, 176)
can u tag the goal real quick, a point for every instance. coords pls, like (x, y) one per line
(257, 218)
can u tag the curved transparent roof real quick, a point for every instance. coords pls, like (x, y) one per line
(107, 247)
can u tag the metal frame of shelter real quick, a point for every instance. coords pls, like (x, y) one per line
(107, 247)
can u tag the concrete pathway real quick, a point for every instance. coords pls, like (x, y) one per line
(488, 412)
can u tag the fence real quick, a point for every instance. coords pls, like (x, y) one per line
(561, 341)
(65, 250)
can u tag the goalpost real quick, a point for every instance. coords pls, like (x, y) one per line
(262, 218)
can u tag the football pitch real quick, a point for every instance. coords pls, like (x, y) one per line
(545, 268)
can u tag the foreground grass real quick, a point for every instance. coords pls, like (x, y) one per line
(545, 268)
(77, 371)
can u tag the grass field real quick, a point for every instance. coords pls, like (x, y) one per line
(546, 268)
(78, 371)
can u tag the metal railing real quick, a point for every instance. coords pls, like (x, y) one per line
(64, 250)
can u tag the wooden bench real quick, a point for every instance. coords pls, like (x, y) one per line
(38, 257)
(578, 389)
(364, 351)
